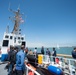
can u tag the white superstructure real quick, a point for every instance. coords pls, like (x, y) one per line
(14, 38)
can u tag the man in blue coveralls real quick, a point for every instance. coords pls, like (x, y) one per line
(20, 58)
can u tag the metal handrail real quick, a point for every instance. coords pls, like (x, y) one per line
(63, 61)
(63, 64)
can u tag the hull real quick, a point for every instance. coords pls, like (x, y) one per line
(4, 57)
(16, 41)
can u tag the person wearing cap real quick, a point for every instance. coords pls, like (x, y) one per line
(20, 58)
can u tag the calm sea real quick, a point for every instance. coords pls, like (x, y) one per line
(61, 50)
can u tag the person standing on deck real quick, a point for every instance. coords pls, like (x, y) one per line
(54, 53)
(74, 53)
(30, 52)
(42, 50)
(11, 59)
(74, 56)
(48, 52)
(20, 58)
(26, 50)
(35, 50)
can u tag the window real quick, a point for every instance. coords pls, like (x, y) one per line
(6, 36)
(22, 38)
(14, 40)
(11, 37)
(5, 43)
(24, 43)
(18, 37)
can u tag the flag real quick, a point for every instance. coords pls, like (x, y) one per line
(21, 20)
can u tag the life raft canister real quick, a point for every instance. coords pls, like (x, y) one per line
(55, 70)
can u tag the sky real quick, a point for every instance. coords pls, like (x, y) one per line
(47, 22)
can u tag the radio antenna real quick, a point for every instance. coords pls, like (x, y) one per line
(9, 7)
(19, 7)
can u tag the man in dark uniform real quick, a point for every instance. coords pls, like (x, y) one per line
(54, 54)
(74, 53)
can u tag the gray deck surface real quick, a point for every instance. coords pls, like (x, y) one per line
(2, 70)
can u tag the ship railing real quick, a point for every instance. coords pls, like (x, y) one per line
(32, 70)
(68, 65)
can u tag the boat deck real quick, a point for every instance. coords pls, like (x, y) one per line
(2, 70)
(68, 65)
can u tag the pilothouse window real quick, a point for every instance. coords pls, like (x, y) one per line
(18, 37)
(22, 38)
(6, 36)
(11, 37)
(5, 43)
(15, 40)
(23, 43)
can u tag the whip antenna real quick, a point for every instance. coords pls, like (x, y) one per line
(9, 7)
(19, 6)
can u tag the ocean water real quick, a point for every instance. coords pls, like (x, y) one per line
(61, 50)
